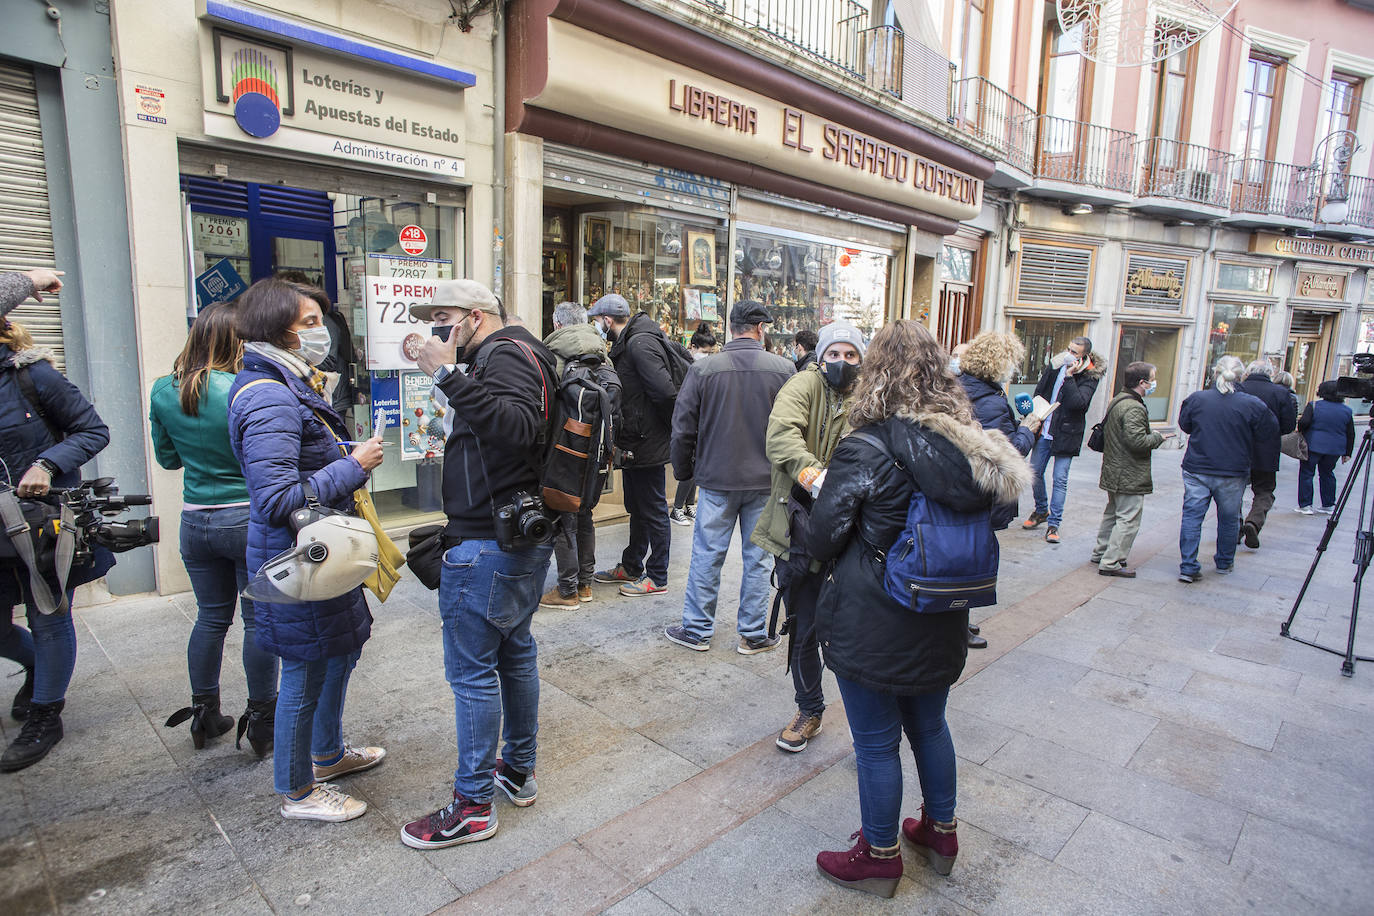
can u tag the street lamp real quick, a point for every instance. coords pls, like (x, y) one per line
(1332, 194)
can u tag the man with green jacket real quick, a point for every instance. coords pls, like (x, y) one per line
(1127, 445)
(807, 421)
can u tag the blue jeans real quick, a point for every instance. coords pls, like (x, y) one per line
(876, 722)
(309, 722)
(487, 598)
(1199, 490)
(213, 544)
(1324, 466)
(718, 511)
(1052, 504)
(50, 650)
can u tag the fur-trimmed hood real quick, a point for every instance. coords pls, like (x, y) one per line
(998, 469)
(1099, 367)
(26, 357)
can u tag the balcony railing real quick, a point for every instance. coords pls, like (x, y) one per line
(881, 53)
(827, 30)
(1361, 202)
(1085, 154)
(996, 117)
(1268, 188)
(1184, 172)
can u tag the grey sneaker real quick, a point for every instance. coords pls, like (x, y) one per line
(758, 644)
(519, 787)
(683, 638)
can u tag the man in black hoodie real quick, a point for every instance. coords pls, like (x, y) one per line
(498, 383)
(1264, 463)
(641, 355)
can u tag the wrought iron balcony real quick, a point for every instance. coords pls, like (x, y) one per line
(1360, 202)
(881, 53)
(1184, 172)
(996, 117)
(1091, 155)
(827, 30)
(1266, 188)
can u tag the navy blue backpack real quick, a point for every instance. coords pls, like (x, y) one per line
(944, 560)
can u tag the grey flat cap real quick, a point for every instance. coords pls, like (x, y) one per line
(456, 294)
(612, 306)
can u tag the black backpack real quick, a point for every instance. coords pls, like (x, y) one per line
(581, 436)
(679, 361)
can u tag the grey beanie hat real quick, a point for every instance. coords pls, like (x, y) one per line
(612, 306)
(840, 332)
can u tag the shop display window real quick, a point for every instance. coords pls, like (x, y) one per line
(1244, 278)
(1043, 338)
(1237, 329)
(1158, 346)
(809, 283)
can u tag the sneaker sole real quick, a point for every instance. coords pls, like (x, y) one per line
(607, 580)
(586, 599)
(638, 594)
(562, 607)
(745, 650)
(329, 818)
(415, 843)
(322, 778)
(695, 646)
(879, 887)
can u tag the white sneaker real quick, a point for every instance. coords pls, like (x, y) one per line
(1326, 510)
(1303, 510)
(354, 759)
(324, 803)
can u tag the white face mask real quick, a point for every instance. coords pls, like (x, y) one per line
(954, 365)
(314, 344)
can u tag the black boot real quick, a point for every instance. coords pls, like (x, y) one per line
(41, 731)
(258, 722)
(24, 698)
(206, 719)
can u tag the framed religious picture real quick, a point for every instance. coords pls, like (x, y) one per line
(701, 262)
(598, 235)
(629, 241)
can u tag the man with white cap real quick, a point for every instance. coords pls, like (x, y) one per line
(498, 382)
(808, 419)
(718, 438)
(640, 352)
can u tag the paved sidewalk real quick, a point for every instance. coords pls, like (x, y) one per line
(1125, 746)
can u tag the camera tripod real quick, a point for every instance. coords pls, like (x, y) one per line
(1364, 551)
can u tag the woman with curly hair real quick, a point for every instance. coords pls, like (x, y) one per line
(894, 667)
(987, 365)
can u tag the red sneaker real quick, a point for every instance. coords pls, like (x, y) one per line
(461, 821)
(940, 844)
(860, 869)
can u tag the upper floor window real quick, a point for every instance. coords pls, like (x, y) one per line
(1065, 75)
(1344, 111)
(1173, 79)
(969, 35)
(1258, 117)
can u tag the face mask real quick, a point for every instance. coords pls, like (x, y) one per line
(609, 332)
(442, 331)
(314, 344)
(954, 365)
(600, 329)
(1151, 388)
(839, 374)
(1063, 359)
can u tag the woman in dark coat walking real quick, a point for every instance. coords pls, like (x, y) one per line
(895, 667)
(44, 441)
(286, 435)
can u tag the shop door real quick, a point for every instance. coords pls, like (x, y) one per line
(1306, 353)
(956, 307)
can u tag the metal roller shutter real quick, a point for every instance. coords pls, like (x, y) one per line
(25, 219)
(586, 172)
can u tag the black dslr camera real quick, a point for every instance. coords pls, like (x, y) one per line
(96, 501)
(1361, 385)
(523, 522)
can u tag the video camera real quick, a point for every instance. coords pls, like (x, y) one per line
(1361, 385)
(95, 501)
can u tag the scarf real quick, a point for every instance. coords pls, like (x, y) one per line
(322, 382)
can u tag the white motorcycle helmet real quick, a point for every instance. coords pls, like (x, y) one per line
(332, 557)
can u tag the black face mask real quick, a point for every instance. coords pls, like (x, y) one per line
(442, 331)
(839, 374)
(611, 333)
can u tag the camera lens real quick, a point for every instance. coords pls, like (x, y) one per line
(535, 526)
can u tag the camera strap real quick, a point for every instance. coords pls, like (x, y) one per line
(19, 531)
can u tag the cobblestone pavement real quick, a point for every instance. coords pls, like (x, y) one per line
(1125, 746)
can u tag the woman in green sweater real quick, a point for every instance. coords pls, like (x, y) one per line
(190, 424)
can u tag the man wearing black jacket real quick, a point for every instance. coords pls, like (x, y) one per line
(641, 355)
(1264, 464)
(1071, 381)
(498, 382)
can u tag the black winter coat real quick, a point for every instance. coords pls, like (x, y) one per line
(647, 393)
(1075, 396)
(1265, 455)
(867, 637)
(992, 411)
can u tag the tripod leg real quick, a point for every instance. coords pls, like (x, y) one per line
(1362, 462)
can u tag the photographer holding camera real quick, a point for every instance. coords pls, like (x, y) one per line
(498, 381)
(51, 430)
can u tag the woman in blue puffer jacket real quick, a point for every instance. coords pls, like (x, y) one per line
(1329, 428)
(286, 434)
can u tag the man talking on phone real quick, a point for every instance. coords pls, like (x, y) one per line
(1070, 379)
(498, 381)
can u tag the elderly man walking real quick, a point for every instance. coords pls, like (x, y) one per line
(1127, 444)
(1223, 424)
(719, 428)
(1264, 467)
